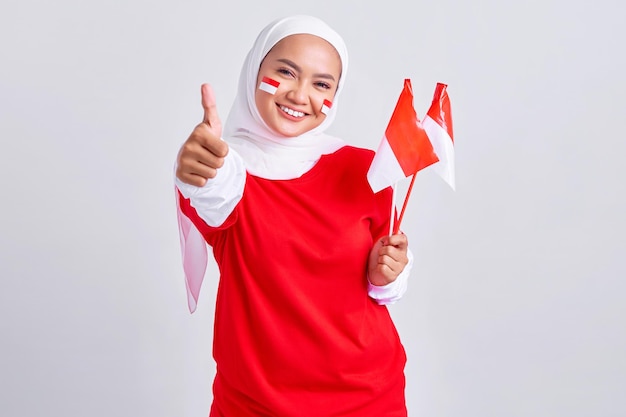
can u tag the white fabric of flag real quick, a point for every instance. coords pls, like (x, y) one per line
(405, 147)
(269, 85)
(438, 127)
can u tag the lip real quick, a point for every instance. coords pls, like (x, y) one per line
(290, 117)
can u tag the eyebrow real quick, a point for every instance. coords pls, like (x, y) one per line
(297, 68)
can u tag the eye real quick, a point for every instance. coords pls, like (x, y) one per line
(323, 85)
(285, 72)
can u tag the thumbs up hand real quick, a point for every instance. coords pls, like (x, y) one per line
(203, 152)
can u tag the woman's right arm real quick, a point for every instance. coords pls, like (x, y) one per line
(208, 173)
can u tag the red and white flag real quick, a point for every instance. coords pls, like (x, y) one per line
(405, 148)
(326, 106)
(438, 126)
(269, 85)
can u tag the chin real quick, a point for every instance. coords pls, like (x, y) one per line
(288, 133)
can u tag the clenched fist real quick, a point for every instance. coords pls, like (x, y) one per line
(203, 152)
(387, 259)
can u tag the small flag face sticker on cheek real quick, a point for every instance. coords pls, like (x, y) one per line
(326, 106)
(268, 85)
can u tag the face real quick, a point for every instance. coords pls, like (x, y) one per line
(308, 70)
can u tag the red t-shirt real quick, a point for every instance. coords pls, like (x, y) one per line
(296, 333)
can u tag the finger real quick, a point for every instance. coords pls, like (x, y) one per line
(386, 272)
(206, 138)
(211, 161)
(204, 164)
(390, 263)
(400, 241)
(200, 169)
(398, 255)
(192, 179)
(210, 107)
(200, 148)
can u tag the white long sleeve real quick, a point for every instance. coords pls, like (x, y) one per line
(392, 292)
(219, 196)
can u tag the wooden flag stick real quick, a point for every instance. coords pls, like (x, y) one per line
(406, 200)
(393, 208)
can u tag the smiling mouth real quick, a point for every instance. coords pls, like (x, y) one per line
(292, 112)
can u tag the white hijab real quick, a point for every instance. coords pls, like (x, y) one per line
(265, 153)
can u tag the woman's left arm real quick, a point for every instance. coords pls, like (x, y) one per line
(390, 264)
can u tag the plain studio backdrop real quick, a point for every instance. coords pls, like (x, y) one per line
(516, 304)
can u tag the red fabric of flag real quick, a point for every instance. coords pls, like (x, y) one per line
(405, 147)
(440, 109)
(438, 126)
(406, 137)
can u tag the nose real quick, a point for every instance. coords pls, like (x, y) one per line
(298, 93)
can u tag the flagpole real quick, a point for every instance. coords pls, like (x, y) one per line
(393, 208)
(406, 200)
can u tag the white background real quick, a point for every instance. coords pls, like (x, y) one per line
(516, 306)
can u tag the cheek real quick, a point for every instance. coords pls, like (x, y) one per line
(324, 102)
(326, 106)
(264, 105)
(261, 100)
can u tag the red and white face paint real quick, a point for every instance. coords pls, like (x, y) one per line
(326, 106)
(269, 85)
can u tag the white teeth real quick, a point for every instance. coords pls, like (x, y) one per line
(291, 112)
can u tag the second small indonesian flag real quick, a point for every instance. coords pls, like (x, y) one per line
(326, 106)
(405, 148)
(438, 126)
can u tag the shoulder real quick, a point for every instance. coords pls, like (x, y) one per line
(353, 156)
(349, 164)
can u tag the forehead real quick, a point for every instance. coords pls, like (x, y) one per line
(306, 48)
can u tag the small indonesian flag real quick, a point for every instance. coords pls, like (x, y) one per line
(269, 85)
(438, 126)
(326, 106)
(405, 148)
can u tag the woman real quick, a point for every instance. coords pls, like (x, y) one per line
(306, 263)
